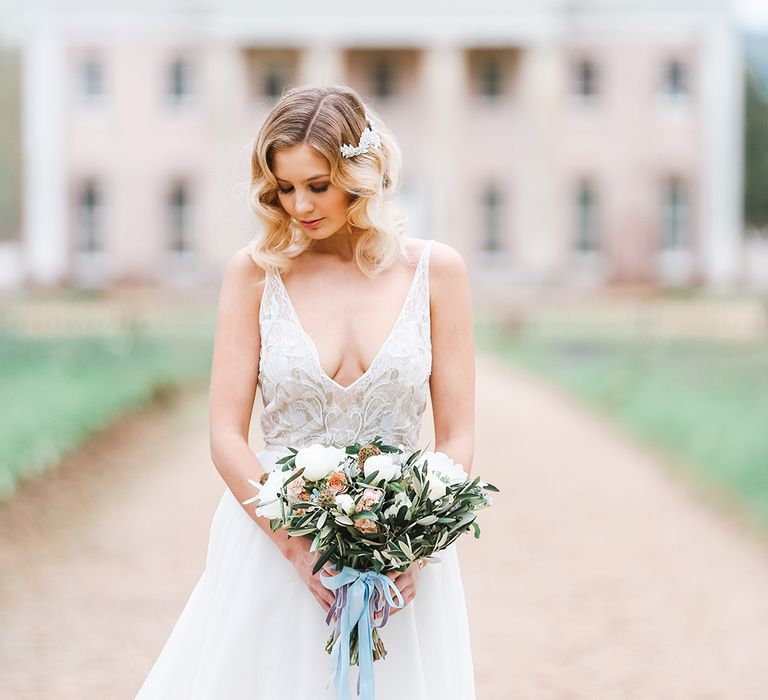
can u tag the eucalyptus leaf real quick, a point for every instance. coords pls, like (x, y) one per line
(293, 476)
(324, 557)
(365, 514)
(303, 531)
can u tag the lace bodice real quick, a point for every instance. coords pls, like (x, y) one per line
(302, 404)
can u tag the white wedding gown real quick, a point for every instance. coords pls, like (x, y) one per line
(251, 630)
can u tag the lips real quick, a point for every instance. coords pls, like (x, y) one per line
(311, 221)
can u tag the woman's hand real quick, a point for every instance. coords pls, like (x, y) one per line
(406, 582)
(304, 561)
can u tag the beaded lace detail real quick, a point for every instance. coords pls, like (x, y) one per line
(302, 404)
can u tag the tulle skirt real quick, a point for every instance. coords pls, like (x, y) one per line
(251, 630)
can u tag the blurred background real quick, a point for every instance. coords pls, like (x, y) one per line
(602, 166)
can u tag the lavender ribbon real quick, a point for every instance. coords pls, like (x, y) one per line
(360, 595)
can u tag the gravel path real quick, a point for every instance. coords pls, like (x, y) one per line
(599, 574)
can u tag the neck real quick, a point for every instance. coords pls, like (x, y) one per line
(339, 245)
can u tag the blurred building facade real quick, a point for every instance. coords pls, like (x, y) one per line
(559, 144)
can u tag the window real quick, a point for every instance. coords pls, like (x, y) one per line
(491, 76)
(180, 81)
(179, 219)
(491, 220)
(675, 80)
(92, 79)
(674, 215)
(89, 219)
(586, 79)
(586, 217)
(383, 77)
(274, 82)
(494, 72)
(270, 72)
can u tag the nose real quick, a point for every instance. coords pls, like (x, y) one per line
(303, 204)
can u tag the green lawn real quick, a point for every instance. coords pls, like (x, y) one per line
(55, 392)
(705, 402)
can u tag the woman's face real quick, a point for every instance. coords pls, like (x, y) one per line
(306, 193)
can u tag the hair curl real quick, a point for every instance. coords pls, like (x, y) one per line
(324, 118)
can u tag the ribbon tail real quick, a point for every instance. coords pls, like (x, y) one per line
(366, 685)
(341, 657)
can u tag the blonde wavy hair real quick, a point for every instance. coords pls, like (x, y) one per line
(325, 118)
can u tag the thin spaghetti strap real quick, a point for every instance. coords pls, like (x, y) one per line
(267, 294)
(424, 261)
(424, 285)
(424, 257)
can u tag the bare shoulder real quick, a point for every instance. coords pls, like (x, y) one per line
(443, 259)
(448, 279)
(243, 274)
(241, 264)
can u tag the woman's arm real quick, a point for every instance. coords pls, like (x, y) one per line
(452, 384)
(234, 375)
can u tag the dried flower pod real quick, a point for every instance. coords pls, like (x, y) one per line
(365, 452)
(326, 497)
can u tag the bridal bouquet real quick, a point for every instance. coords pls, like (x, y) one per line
(368, 509)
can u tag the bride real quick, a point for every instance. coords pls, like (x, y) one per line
(346, 325)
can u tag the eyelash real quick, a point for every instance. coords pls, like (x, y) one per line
(317, 190)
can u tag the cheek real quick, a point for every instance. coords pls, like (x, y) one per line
(341, 202)
(285, 203)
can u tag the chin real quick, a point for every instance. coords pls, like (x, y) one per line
(320, 235)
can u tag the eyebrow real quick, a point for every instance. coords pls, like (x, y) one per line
(309, 179)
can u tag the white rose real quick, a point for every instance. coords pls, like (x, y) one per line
(318, 460)
(345, 502)
(385, 465)
(437, 486)
(440, 462)
(401, 499)
(268, 492)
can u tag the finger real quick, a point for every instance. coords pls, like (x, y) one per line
(394, 611)
(324, 594)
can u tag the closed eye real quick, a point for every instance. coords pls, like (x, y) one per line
(321, 188)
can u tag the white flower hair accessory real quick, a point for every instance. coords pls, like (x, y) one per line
(369, 137)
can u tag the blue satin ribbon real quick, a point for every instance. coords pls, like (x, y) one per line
(359, 596)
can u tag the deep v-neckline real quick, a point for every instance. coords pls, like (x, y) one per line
(313, 346)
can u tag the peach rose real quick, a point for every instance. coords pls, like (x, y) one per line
(369, 499)
(295, 488)
(338, 482)
(366, 525)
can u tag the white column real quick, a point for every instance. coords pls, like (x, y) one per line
(44, 80)
(722, 86)
(444, 71)
(542, 244)
(321, 64)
